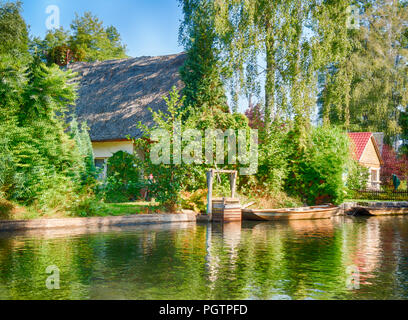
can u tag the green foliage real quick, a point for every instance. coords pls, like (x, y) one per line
(200, 73)
(87, 40)
(41, 164)
(83, 142)
(274, 153)
(123, 178)
(165, 182)
(334, 51)
(317, 174)
(296, 39)
(86, 206)
(55, 48)
(369, 84)
(168, 182)
(13, 29)
(97, 42)
(357, 177)
(195, 201)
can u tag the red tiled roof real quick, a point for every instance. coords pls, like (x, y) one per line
(360, 140)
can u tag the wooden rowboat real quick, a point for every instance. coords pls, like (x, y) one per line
(306, 213)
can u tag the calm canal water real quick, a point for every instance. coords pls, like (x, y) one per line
(290, 260)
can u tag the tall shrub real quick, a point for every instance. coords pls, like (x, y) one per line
(274, 151)
(357, 177)
(318, 174)
(123, 182)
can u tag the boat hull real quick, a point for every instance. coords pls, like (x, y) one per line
(311, 213)
(378, 211)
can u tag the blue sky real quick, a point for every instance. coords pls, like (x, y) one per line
(147, 27)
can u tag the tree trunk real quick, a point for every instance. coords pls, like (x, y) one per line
(270, 79)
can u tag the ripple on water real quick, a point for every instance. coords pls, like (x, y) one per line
(272, 261)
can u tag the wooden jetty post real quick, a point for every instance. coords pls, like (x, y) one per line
(225, 209)
(210, 179)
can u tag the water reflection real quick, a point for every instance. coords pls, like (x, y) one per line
(277, 260)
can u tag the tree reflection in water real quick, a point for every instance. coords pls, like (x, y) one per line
(255, 260)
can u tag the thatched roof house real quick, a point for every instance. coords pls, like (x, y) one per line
(115, 95)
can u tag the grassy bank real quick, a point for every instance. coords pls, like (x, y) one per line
(12, 211)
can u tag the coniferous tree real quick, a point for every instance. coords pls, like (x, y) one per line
(203, 86)
(13, 29)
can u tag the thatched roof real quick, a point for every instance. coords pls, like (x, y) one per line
(115, 95)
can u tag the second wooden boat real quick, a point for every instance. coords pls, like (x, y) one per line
(306, 213)
(379, 211)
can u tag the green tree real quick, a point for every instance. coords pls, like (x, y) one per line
(335, 73)
(83, 141)
(373, 77)
(42, 164)
(12, 73)
(56, 48)
(203, 86)
(94, 40)
(296, 39)
(87, 40)
(44, 153)
(173, 176)
(251, 26)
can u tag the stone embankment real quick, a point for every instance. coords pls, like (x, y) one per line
(97, 222)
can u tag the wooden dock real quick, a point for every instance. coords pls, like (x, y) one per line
(379, 209)
(226, 210)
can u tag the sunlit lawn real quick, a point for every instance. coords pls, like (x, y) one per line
(130, 208)
(102, 210)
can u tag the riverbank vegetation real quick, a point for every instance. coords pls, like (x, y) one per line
(46, 161)
(307, 73)
(299, 163)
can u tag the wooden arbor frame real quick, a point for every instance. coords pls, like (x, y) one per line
(210, 181)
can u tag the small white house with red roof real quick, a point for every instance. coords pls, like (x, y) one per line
(367, 153)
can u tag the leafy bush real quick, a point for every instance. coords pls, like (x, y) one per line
(357, 177)
(196, 201)
(165, 182)
(317, 173)
(273, 160)
(87, 206)
(42, 164)
(6, 208)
